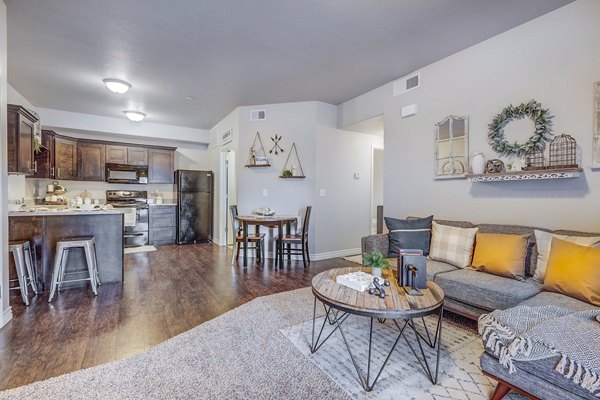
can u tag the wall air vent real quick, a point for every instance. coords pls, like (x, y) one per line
(258, 115)
(409, 82)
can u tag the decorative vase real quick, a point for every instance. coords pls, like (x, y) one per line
(376, 272)
(478, 163)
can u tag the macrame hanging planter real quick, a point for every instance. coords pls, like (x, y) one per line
(292, 167)
(257, 157)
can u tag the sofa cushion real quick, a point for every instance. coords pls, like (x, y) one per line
(452, 245)
(485, 290)
(436, 267)
(500, 254)
(574, 270)
(536, 377)
(556, 299)
(409, 234)
(544, 247)
(531, 257)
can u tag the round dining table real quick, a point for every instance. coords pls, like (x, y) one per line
(257, 221)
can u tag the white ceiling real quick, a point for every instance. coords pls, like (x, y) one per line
(227, 53)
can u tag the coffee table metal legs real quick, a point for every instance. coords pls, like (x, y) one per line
(434, 344)
(332, 317)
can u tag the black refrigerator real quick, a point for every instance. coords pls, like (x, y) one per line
(194, 206)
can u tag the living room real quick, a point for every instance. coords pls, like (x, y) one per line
(473, 95)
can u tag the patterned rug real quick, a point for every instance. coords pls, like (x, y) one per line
(459, 378)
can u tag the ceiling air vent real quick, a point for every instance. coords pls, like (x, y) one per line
(407, 83)
(258, 115)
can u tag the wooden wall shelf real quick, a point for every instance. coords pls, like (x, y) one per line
(292, 177)
(257, 165)
(563, 173)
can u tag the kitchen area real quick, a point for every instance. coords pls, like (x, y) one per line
(129, 197)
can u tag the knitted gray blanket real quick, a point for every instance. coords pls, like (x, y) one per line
(531, 333)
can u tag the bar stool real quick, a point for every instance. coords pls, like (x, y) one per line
(63, 246)
(21, 251)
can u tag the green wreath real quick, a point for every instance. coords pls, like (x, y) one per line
(543, 125)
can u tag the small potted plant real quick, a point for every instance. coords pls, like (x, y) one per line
(376, 261)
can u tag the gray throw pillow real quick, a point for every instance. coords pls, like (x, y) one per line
(409, 234)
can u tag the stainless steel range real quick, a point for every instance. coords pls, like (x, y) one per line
(137, 235)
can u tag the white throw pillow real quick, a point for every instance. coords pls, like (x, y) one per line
(452, 245)
(544, 244)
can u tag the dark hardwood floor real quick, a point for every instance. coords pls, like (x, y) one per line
(164, 293)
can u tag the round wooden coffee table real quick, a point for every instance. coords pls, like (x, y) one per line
(403, 309)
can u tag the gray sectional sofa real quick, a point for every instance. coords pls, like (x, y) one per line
(473, 293)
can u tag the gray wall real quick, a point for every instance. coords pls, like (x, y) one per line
(329, 157)
(6, 314)
(554, 59)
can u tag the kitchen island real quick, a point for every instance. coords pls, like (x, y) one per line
(46, 228)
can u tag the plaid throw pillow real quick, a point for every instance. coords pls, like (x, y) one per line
(452, 245)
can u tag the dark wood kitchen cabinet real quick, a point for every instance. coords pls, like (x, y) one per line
(161, 165)
(91, 161)
(44, 160)
(116, 154)
(163, 224)
(137, 155)
(131, 155)
(20, 137)
(65, 158)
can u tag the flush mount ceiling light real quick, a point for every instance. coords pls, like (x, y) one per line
(117, 85)
(135, 116)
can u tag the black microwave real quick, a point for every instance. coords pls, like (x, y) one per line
(125, 173)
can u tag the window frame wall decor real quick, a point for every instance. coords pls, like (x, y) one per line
(448, 162)
(596, 146)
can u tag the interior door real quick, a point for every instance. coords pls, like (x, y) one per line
(230, 195)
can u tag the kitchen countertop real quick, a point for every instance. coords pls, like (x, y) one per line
(65, 212)
(163, 204)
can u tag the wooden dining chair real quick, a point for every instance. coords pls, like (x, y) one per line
(299, 240)
(255, 242)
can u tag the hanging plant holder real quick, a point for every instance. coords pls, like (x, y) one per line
(291, 170)
(257, 157)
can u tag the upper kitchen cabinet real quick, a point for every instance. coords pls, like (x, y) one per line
(91, 159)
(137, 155)
(65, 158)
(160, 165)
(44, 159)
(20, 140)
(116, 154)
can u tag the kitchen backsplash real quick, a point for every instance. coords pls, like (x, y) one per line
(29, 188)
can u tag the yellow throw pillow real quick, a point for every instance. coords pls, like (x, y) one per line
(500, 254)
(574, 270)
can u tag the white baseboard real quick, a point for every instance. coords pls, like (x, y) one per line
(335, 254)
(6, 316)
(217, 242)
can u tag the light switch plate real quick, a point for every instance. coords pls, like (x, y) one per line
(265, 192)
(322, 193)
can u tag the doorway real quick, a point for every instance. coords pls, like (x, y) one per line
(376, 184)
(229, 193)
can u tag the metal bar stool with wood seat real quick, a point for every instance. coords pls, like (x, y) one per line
(21, 251)
(63, 246)
(257, 240)
(300, 238)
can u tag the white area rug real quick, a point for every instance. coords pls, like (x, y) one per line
(140, 249)
(403, 378)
